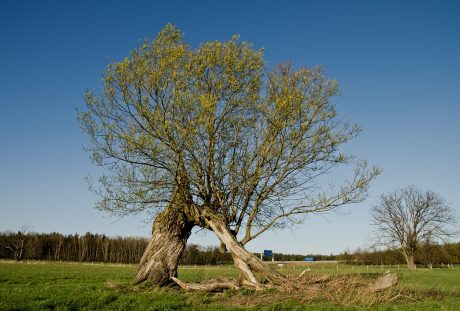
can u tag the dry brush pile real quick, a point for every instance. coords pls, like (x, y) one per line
(343, 289)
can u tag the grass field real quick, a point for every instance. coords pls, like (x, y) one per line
(76, 286)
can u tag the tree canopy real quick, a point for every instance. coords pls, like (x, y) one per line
(213, 137)
(252, 142)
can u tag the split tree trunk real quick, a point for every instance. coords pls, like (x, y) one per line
(170, 232)
(245, 261)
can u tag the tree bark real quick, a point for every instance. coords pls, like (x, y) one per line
(385, 281)
(253, 269)
(410, 261)
(209, 286)
(170, 232)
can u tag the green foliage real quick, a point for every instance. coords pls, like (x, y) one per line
(246, 141)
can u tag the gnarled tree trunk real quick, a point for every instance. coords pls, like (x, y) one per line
(245, 261)
(410, 261)
(170, 232)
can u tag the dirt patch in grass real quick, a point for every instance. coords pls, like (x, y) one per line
(112, 285)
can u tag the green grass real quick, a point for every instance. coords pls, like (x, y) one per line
(72, 286)
(443, 279)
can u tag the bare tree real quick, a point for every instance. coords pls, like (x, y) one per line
(407, 217)
(18, 246)
(212, 138)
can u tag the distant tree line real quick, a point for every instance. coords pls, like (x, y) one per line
(429, 254)
(82, 248)
(198, 255)
(100, 248)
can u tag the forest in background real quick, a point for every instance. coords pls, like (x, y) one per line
(128, 250)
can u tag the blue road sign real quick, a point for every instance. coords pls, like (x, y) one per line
(268, 252)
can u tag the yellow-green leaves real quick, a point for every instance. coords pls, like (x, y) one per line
(208, 102)
(245, 139)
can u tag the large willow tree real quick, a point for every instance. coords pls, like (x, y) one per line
(210, 137)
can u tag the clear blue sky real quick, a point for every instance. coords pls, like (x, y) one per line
(398, 63)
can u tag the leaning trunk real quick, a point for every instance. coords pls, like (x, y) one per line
(253, 269)
(410, 261)
(170, 232)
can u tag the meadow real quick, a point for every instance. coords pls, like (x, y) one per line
(38, 285)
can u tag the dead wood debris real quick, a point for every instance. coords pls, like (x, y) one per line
(212, 285)
(344, 289)
(385, 281)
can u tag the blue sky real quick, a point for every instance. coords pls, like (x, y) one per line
(398, 64)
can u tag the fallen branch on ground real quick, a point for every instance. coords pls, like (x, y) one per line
(212, 285)
(311, 283)
(387, 280)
